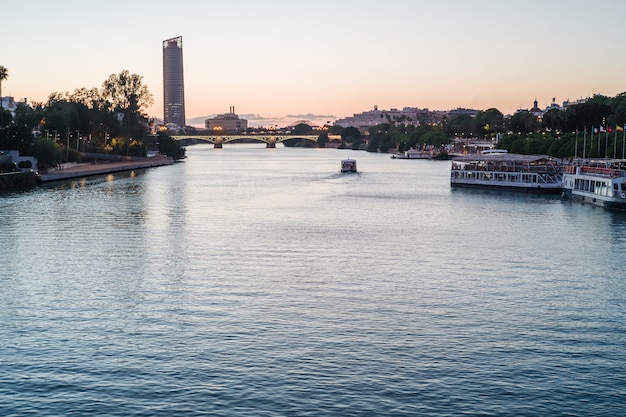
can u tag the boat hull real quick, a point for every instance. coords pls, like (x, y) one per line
(515, 188)
(596, 201)
(602, 184)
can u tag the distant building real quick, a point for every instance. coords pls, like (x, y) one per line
(365, 120)
(227, 122)
(568, 103)
(303, 122)
(538, 112)
(173, 83)
(9, 103)
(459, 111)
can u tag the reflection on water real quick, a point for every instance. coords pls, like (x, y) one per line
(253, 281)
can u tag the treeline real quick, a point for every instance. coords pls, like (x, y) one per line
(109, 119)
(597, 125)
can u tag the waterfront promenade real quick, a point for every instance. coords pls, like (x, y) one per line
(102, 167)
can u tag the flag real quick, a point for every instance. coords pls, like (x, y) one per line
(595, 130)
(619, 128)
(601, 129)
(609, 129)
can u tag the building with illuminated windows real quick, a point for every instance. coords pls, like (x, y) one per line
(227, 122)
(173, 83)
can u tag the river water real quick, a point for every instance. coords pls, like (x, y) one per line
(262, 282)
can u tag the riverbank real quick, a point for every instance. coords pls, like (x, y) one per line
(100, 167)
(17, 180)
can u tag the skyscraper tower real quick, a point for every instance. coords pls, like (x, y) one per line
(173, 84)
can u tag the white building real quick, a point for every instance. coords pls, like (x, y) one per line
(227, 122)
(407, 116)
(9, 103)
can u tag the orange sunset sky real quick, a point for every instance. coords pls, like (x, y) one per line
(281, 61)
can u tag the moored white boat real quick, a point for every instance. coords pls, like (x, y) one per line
(348, 165)
(506, 171)
(601, 182)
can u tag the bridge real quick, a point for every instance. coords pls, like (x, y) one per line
(218, 141)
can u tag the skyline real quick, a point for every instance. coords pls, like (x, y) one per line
(324, 61)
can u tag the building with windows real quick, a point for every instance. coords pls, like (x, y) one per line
(8, 103)
(173, 83)
(408, 116)
(227, 122)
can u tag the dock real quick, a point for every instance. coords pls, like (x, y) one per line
(67, 171)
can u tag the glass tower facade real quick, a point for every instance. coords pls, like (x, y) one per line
(173, 84)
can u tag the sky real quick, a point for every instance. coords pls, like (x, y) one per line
(279, 61)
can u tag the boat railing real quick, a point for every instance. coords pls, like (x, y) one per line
(609, 172)
(604, 171)
(539, 169)
(550, 178)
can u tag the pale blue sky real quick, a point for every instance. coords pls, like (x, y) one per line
(326, 58)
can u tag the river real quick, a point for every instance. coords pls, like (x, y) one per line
(248, 281)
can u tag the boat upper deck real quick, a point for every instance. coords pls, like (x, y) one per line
(507, 162)
(607, 168)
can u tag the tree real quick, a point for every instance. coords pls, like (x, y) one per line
(302, 129)
(128, 96)
(555, 121)
(489, 121)
(594, 112)
(5, 118)
(26, 115)
(170, 147)
(523, 122)
(60, 115)
(92, 99)
(350, 134)
(322, 140)
(18, 138)
(47, 153)
(126, 92)
(460, 126)
(335, 130)
(4, 74)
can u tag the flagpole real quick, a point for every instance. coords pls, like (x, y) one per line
(584, 143)
(606, 144)
(615, 144)
(624, 141)
(576, 146)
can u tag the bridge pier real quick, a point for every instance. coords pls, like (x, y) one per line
(271, 145)
(217, 145)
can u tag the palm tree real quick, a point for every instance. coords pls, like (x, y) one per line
(4, 74)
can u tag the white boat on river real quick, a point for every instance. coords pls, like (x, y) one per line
(506, 171)
(348, 165)
(601, 182)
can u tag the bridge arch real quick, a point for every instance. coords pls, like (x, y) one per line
(219, 140)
